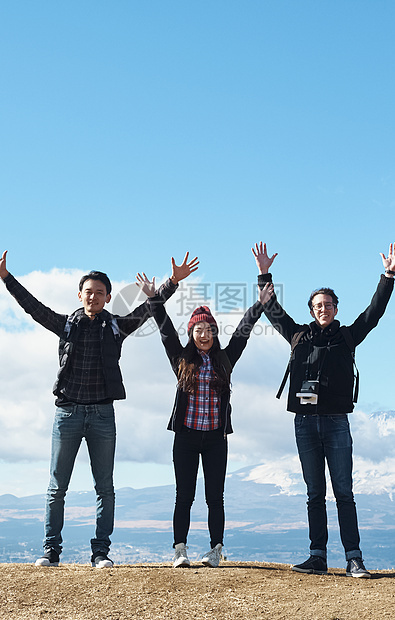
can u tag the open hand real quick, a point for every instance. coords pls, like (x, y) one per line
(261, 258)
(179, 272)
(145, 284)
(389, 261)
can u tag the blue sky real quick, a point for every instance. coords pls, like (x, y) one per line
(133, 131)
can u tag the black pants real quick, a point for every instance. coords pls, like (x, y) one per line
(213, 447)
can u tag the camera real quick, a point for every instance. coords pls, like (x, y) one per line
(309, 392)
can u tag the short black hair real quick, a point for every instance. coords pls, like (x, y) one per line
(96, 275)
(323, 291)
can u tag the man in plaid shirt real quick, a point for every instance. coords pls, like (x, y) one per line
(88, 381)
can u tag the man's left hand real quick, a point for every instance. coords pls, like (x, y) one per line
(389, 261)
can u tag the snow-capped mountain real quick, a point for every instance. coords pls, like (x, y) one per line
(264, 522)
(385, 421)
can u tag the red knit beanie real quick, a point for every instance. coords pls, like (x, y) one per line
(202, 314)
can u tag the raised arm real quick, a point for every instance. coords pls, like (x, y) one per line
(42, 314)
(369, 318)
(156, 300)
(242, 333)
(277, 316)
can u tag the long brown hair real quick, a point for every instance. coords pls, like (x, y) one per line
(191, 360)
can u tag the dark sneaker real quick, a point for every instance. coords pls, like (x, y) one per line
(315, 565)
(100, 560)
(356, 568)
(50, 558)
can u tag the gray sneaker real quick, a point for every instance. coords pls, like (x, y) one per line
(356, 568)
(180, 556)
(213, 557)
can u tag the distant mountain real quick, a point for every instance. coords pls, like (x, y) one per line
(263, 524)
(385, 421)
(377, 414)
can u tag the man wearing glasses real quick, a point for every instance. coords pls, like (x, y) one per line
(321, 394)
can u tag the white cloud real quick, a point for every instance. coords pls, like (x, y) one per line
(263, 428)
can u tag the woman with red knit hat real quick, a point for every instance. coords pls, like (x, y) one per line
(201, 417)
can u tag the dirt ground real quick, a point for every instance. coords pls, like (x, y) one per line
(235, 590)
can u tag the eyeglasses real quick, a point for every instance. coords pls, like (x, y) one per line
(328, 306)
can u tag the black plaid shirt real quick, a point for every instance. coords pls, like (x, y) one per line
(83, 382)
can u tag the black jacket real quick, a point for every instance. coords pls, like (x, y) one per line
(325, 350)
(230, 356)
(110, 352)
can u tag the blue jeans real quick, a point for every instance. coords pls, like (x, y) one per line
(319, 438)
(97, 424)
(187, 448)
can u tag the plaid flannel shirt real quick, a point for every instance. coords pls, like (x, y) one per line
(202, 413)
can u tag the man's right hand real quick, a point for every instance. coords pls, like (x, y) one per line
(3, 267)
(261, 258)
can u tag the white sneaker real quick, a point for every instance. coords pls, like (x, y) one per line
(180, 557)
(213, 557)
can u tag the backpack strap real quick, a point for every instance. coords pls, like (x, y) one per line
(351, 345)
(294, 342)
(115, 328)
(71, 323)
(67, 327)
